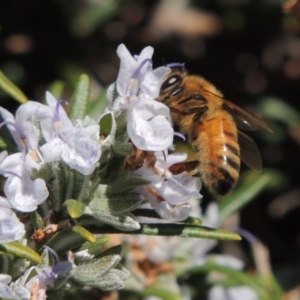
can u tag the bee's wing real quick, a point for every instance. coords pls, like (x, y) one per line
(249, 152)
(244, 119)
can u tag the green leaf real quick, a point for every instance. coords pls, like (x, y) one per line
(101, 273)
(182, 230)
(125, 183)
(106, 124)
(110, 281)
(70, 238)
(84, 233)
(124, 222)
(188, 231)
(80, 102)
(243, 195)
(100, 241)
(77, 184)
(57, 185)
(75, 208)
(103, 202)
(113, 209)
(192, 221)
(122, 148)
(36, 220)
(4, 264)
(19, 250)
(121, 272)
(89, 271)
(11, 89)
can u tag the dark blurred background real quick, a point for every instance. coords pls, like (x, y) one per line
(250, 49)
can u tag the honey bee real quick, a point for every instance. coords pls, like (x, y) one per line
(211, 125)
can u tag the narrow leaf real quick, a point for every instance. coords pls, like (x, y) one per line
(124, 222)
(4, 264)
(99, 242)
(57, 185)
(68, 239)
(84, 233)
(240, 197)
(106, 124)
(36, 220)
(108, 282)
(113, 209)
(80, 102)
(75, 208)
(11, 89)
(19, 250)
(118, 204)
(181, 230)
(92, 270)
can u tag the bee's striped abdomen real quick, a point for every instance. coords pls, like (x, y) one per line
(219, 153)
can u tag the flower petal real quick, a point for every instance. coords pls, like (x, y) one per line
(155, 134)
(11, 229)
(8, 117)
(24, 194)
(153, 81)
(169, 212)
(52, 150)
(27, 117)
(127, 66)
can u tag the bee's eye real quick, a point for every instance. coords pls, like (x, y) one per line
(175, 79)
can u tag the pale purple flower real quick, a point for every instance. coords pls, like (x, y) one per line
(169, 194)
(23, 131)
(11, 229)
(35, 280)
(22, 193)
(5, 290)
(77, 145)
(149, 122)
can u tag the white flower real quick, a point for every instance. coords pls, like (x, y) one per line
(169, 194)
(5, 291)
(34, 282)
(11, 229)
(148, 121)
(23, 193)
(77, 145)
(232, 293)
(23, 131)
